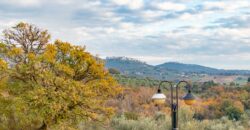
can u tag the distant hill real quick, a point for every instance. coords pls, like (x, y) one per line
(188, 68)
(172, 70)
(193, 68)
(131, 67)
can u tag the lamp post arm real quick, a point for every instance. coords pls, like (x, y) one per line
(177, 88)
(165, 81)
(171, 86)
(183, 81)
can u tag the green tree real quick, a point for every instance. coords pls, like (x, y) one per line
(50, 85)
(232, 84)
(248, 80)
(233, 111)
(114, 71)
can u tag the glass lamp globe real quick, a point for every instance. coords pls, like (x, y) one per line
(159, 98)
(189, 98)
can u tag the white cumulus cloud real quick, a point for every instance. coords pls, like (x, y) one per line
(170, 6)
(132, 4)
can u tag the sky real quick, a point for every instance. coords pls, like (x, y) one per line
(214, 33)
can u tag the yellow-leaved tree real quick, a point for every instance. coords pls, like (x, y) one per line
(48, 86)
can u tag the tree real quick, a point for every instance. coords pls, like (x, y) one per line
(248, 80)
(114, 71)
(52, 84)
(27, 37)
(233, 113)
(233, 109)
(232, 84)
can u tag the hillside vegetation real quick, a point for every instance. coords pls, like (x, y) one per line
(169, 70)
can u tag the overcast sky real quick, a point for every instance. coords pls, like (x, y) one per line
(213, 33)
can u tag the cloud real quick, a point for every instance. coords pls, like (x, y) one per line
(229, 5)
(132, 4)
(170, 6)
(152, 15)
(234, 22)
(211, 33)
(23, 3)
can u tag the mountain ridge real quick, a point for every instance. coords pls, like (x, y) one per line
(130, 66)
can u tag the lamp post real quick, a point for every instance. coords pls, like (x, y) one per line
(160, 98)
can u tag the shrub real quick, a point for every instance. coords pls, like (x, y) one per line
(186, 121)
(131, 116)
(121, 123)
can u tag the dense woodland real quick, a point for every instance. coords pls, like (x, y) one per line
(59, 86)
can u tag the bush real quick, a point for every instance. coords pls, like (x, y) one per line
(131, 116)
(233, 113)
(121, 123)
(114, 71)
(186, 121)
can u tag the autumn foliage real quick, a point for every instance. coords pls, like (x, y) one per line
(45, 85)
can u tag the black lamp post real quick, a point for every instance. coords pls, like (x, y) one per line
(160, 98)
